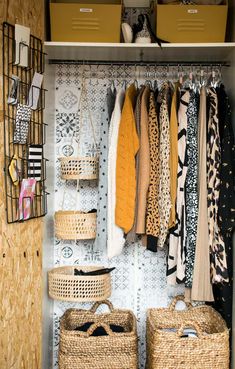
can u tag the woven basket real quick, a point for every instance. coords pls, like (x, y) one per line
(75, 225)
(169, 350)
(65, 286)
(79, 167)
(80, 350)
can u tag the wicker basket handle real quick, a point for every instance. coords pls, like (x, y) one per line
(179, 298)
(190, 324)
(96, 325)
(105, 302)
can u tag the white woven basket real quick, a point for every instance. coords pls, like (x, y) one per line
(75, 225)
(65, 286)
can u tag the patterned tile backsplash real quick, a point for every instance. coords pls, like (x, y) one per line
(139, 280)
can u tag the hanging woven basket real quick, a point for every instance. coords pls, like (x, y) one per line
(65, 286)
(79, 167)
(75, 225)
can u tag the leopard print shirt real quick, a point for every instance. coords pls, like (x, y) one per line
(219, 272)
(164, 185)
(152, 217)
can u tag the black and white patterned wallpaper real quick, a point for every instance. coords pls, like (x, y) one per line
(139, 281)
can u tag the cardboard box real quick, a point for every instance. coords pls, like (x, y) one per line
(191, 23)
(85, 21)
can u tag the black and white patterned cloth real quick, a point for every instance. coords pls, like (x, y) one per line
(35, 162)
(219, 271)
(23, 114)
(177, 240)
(191, 187)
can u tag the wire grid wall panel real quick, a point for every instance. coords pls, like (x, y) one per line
(139, 280)
(36, 126)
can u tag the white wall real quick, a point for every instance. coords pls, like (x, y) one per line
(48, 224)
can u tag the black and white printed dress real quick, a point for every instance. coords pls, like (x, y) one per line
(176, 256)
(191, 187)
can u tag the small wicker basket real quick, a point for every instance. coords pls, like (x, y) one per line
(75, 225)
(65, 286)
(81, 350)
(79, 167)
(166, 348)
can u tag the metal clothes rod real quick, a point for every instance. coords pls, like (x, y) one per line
(139, 63)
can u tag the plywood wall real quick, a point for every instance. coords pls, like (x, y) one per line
(20, 244)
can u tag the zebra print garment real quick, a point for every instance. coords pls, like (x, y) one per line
(176, 256)
(191, 187)
(219, 272)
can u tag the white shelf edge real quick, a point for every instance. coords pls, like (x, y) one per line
(121, 52)
(145, 46)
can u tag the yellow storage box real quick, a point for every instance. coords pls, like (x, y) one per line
(85, 21)
(191, 23)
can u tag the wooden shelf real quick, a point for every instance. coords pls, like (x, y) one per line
(203, 52)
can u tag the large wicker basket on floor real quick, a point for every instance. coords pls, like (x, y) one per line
(79, 167)
(65, 286)
(75, 225)
(81, 350)
(167, 349)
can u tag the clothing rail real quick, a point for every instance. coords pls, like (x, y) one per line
(139, 63)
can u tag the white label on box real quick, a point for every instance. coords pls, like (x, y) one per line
(86, 10)
(192, 11)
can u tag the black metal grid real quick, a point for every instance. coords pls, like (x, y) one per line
(37, 128)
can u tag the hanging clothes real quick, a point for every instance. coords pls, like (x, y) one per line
(115, 236)
(128, 146)
(131, 236)
(152, 213)
(202, 287)
(223, 293)
(101, 227)
(144, 165)
(219, 272)
(176, 256)
(191, 187)
(173, 155)
(164, 185)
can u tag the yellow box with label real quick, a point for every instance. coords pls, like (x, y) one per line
(85, 21)
(191, 23)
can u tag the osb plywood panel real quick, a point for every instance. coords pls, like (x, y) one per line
(20, 244)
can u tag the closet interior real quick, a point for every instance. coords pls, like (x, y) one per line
(123, 151)
(79, 74)
(139, 280)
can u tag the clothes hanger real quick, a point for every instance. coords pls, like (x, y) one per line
(212, 81)
(192, 84)
(216, 78)
(180, 75)
(148, 82)
(124, 84)
(155, 84)
(136, 80)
